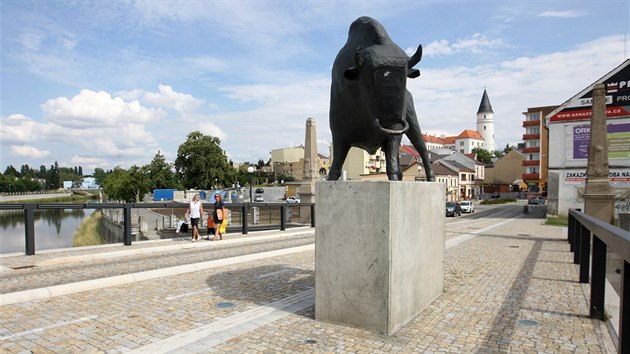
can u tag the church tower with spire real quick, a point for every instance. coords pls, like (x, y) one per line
(485, 122)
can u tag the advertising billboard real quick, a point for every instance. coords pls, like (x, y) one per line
(617, 100)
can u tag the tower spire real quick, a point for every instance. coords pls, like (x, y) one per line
(485, 106)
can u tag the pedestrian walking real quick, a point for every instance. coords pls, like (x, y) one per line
(217, 216)
(195, 211)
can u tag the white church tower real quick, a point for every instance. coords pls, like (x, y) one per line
(485, 122)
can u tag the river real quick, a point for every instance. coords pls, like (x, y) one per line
(54, 228)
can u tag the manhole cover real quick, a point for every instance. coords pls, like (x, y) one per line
(527, 323)
(224, 305)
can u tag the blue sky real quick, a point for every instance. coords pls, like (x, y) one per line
(107, 83)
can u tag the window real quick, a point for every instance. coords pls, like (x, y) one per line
(461, 143)
(533, 116)
(532, 143)
(484, 127)
(463, 177)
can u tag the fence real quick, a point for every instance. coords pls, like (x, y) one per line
(240, 211)
(605, 236)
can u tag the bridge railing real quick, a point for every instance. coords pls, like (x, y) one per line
(243, 209)
(604, 236)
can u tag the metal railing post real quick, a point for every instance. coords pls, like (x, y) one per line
(127, 224)
(29, 229)
(598, 278)
(624, 310)
(571, 231)
(584, 251)
(577, 240)
(244, 219)
(283, 217)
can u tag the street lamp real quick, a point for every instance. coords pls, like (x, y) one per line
(250, 170)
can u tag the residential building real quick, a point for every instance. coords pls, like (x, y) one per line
(569, 134)
(536, 150)
(450, 179)
(505, 175)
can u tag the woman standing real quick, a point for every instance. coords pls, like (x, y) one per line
(217, 216)
(195, 210)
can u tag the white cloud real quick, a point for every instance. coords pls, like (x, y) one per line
(28, 151)
(90, 109)
(565, 14)
(167, 97)
(17, 128)
(473, 44)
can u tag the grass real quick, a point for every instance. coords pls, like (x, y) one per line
(498, 201)
(557, 220)
(88, 233)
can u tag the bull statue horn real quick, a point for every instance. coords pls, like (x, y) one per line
(392, 131)
(415, 58)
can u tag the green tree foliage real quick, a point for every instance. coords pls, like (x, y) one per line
(26, 171)
(127, 186)
(53, 180)
(99, 176)
(11, 171)
(499, 154)
(200, 160)
(160, 173)
(508, 148)
(483, 155)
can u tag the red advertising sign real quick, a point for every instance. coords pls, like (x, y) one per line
(617, 100)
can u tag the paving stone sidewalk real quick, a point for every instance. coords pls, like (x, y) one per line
(509, 289)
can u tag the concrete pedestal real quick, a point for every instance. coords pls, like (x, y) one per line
(379, 252)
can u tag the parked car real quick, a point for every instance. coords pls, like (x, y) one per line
(260, 190)
(293, 200)
(495, 195)
(453, 209)
(536, 201)
(467, 206)
(259, 198)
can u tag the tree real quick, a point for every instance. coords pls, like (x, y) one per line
(160, 173)
(483, 155)
(127, 186)
(499, 154)
(99, 176)
(508, 148)
(200, 160)
(53, 180)
(25, 171)
(11, 171)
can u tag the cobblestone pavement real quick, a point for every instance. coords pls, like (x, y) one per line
(508, 288)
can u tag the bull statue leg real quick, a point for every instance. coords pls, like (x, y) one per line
(340, 151)
(391, 148)
(415, 137)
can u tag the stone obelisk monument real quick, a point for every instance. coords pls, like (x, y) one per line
(311, 164)
(599, 201)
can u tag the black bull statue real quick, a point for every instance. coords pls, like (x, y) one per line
(370, 106)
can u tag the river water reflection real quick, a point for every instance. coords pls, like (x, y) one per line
(54, 228)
